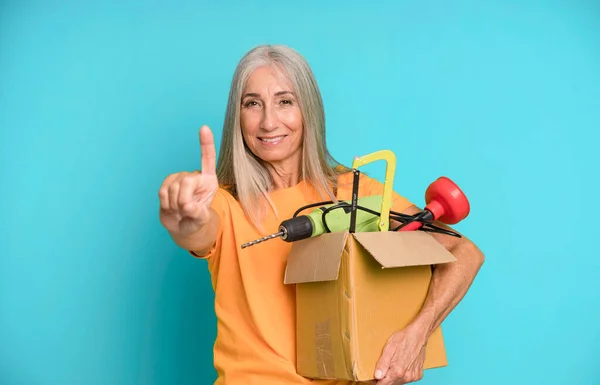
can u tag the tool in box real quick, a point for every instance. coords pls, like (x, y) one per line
(444, 202)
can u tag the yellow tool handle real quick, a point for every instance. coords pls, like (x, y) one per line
(388, 185)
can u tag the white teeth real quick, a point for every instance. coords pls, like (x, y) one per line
(272, 140)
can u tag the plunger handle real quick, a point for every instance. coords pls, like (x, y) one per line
(445, 202)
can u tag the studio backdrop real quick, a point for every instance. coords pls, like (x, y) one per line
(100, 101)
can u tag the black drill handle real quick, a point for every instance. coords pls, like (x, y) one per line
(296, 228)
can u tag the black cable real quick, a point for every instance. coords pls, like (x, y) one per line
(423, 216)
(311, 205)
(405, 219)
(345, 204)
(429, 227)
(435, 229)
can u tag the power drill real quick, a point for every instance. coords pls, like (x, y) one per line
(329, 218)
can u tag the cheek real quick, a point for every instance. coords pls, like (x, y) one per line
(249, 124)
(293, 120)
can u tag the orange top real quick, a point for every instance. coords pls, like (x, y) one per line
(256, 330)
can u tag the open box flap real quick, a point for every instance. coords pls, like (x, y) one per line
(404, 248)
(315, 259)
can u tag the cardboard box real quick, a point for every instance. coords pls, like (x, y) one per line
(354, 290)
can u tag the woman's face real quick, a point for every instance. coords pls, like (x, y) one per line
(270, 118)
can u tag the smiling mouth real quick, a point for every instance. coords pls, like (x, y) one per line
(272, 139)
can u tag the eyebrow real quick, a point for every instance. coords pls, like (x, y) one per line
(255, 95)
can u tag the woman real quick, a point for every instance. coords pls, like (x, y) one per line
(273, 160)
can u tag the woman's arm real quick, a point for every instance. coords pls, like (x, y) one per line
(201, 241)
(404, 353)
(450, 281)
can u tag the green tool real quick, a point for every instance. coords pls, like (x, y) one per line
(365, 214)
(329, 218)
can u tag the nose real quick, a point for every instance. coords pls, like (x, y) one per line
(269, 119)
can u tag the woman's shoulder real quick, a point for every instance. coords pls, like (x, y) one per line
(227, 191)
(224, 198)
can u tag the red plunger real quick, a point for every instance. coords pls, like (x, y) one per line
(445, 202)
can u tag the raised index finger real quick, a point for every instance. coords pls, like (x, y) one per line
(207, 149)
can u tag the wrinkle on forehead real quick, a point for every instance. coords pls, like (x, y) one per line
(278, 72)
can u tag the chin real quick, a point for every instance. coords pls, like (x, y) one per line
(276, 156)
(273, 157)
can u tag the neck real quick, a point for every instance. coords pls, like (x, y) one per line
(285, 174)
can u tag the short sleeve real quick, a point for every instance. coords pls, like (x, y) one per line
(221, 207)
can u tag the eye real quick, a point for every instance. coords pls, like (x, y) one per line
(250, 103)
(286, 101)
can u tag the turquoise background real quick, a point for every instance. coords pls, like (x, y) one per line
(99, 101)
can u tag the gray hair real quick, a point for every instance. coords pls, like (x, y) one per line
(239, 170)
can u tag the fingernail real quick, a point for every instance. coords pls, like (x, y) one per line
(378, 374)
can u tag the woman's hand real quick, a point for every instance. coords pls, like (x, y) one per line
(402, 358)
(186, 197)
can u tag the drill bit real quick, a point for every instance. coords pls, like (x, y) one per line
(279, 234)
